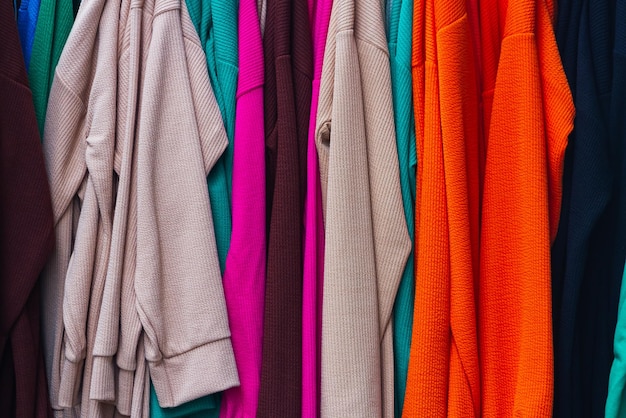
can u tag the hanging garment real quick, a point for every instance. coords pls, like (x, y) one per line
(187, 339)
(615, 406)
(399, 40)
(528, 115)
(313, 280)
(443, 377)
(588, 253)
(54, 22)
(26, 235)
(367, 244)
(26, 23)
(244, 277)
(117, 333)
(287, 101)
(216, 24)
(78, 145)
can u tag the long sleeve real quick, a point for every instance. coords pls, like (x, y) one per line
(179, 291)
(54, 22)
(244, 278)
(313, 279)
(400, 37)
(366, 237)
(530, 119)
(26, 235)
(87, 269)
(287, 100)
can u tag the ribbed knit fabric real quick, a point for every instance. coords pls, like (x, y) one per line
(187, 342)
(118, 329)
(528, 117)
(26, 235)
(616, 398)
(244, 278)
(400, 39)
(615, 403)
(287, 102)
(367, 244)
(216, 24)
(313, 280)
(588, 253)
(26, 22)
(444, 377)
(54, 23)
(78, 145)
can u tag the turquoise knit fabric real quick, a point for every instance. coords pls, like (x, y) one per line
(54, 24)
(616, 399)
(216, 24)
(400, 21)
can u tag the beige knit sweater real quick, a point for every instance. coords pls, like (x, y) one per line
(78, 145)
(367, 243)
(161, 284)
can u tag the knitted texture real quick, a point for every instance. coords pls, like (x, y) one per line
(78, 146)
(287, 101)
(216, 25)
(313, 280)
(367, 244)
(528, 115)
(444, 377)
(27, 16)
(400, 40)
(26, 235)
(54, 22)
(244, 278)
(589, 250)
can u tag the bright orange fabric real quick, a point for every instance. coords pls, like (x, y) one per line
(444, 378)
(528, 116)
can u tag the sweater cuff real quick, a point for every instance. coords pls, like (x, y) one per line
(125, 385)
(103, 379)
(69, 389)
(206, 369)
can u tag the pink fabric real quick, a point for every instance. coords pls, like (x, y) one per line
(244, 276)
(314, 229)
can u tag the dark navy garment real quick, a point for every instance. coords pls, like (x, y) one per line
(590, 248)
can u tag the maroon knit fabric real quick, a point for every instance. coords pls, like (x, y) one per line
(288, 77)
(26, 234)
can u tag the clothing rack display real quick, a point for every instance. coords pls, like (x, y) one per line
(312, 208)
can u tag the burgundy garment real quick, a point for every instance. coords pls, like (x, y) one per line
(287, 101)
(26, 234)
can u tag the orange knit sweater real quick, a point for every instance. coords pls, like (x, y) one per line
(482, 334)
(443, 375)
(528, 117)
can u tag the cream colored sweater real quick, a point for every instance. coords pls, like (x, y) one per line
(162, 285)
(367, 243)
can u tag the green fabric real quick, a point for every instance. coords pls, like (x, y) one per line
(616, 399)
(54, 23)
(216, 24)
(399, 36)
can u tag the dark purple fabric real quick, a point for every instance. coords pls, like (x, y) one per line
(26, 234)
(287, 101)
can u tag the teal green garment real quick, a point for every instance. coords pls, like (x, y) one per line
(54, 24)
(616, 399)
(216, 24)
(399, 36)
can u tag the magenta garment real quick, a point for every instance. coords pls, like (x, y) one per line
(319, 15)
(244, 276)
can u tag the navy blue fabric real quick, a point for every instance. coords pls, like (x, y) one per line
(590, 248)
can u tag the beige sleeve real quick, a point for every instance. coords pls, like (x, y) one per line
(64, 151)
(180, 299)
